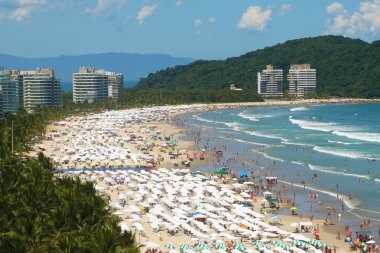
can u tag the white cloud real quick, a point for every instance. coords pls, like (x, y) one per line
(211, 20)
(20, 10)
(285, 8)
(179, 3)
(362, 23)
(335, 8)
(198, 22)
(255, 19)
(105, 5)
(20, 14)
(145, 12)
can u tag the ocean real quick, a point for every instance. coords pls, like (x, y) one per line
(333, 149)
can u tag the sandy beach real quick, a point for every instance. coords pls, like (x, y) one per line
(165, 200)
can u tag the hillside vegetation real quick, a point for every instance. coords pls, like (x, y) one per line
(345, 67)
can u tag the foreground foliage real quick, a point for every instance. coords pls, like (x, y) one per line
(41, 212)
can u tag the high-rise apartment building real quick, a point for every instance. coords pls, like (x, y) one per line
(115, 85)
(269, 82)
(1, 102)
(302, 80)
(10, 92)
(90, 84)
(40, 88)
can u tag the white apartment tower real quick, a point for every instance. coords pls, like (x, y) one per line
(302, 80)
(90, 84)
(40, 87)
(269, 82)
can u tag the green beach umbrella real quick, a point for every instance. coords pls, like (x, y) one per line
(239, 246)
(169, 246)
(202, 246)
(184, 246)
(221, 246)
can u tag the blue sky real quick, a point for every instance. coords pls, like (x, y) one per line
(202, 29)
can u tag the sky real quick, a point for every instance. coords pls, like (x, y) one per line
(201, 29)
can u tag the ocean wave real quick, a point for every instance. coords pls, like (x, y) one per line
(297, 144)
(320, 126)
(363, 136)
(344, 143)
(206, 120)
(331, 171)
(243, 141)
(341, 153)
(268, 156)
(351, 204)
(247, 116)
(266, 136)
(237, 127)
(298, 163)
(298, 109)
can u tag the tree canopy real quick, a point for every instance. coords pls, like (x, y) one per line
(345, 67)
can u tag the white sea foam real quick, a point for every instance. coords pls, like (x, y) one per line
(332, 171)
(206, 120)
(344, 143)
(298, 163)
(363, 136)
(341, 153)
(244, 115)
(268, 156)
(320, 126)
(298, 109)
(266, 135)
(243, 141)
(351, 204)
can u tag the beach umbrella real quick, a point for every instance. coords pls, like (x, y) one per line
(370, 242)
(169, 246)
(221, 246)
(184, 246)
(293, 208)
(239, 246)
(202, 246)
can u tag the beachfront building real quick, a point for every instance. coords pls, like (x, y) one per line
(302, 80)
(1, 102)
(40, 87)
(115, 85)
(269, 82)
(10, 92)
(90, 84)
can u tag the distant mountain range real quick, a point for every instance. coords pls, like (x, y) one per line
(345, 67)
(133, 66)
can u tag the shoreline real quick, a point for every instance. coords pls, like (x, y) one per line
(193, 148)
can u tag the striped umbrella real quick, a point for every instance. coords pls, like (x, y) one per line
(260, 245)
(202, 246)
(169, 246)
(239, 246)
(317, 243)
(281, 245)
(222, 246)
(184, 246)
(300, 243)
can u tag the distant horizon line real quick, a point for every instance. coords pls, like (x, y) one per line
(104, 53)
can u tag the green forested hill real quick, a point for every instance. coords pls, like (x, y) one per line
(345, 67)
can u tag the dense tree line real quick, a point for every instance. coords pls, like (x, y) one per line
(345, 67)
(43, 212)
